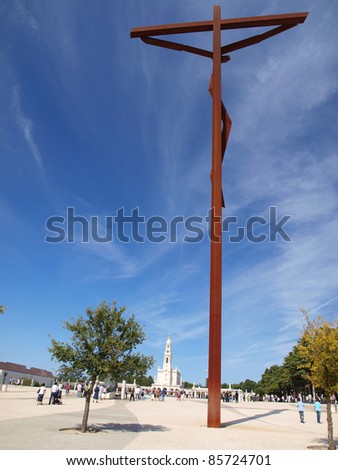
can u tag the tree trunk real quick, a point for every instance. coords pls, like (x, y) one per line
(332, 445)
(87, 405)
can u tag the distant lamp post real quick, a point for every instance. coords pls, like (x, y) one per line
(221, 125)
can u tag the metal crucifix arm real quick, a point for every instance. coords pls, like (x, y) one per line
(283, 22)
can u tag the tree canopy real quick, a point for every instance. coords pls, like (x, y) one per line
(271, 381)
(318, 347)
(102, 345)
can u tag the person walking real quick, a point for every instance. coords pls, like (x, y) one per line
(163, 393)
(132, 395)
(96, 392)
(102, 392)
(41, 394)
(300, 406)
(54, 393)
(318, 409)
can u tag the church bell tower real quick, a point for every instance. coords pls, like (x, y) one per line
(167, 361)
(167, 376)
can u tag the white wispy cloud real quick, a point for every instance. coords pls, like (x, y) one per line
(296, 75)
(24, 15)
(25, 125)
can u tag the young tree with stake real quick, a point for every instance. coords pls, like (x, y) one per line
(102, 345)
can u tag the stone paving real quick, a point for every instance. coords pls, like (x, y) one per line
(153, 425)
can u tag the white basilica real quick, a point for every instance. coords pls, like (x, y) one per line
(167, 376)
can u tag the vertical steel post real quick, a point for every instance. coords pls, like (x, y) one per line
(215, 316)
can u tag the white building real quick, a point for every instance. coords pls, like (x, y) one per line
(167, 376)
(15, 373)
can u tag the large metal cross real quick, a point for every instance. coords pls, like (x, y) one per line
(221, 125)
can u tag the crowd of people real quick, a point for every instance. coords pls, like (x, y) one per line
(294, 398)
(13, 381)
(230, 397)
(99, 390)
(160, 393)
(139, 393)
(82, 389)
(156, 394)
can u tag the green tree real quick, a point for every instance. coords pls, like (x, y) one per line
(140, 379)
(318, 347)
(294, 373)
(249, 385)
(147, 381)
(270, 382)
(187, 385)
(2, 309)
(101, 345)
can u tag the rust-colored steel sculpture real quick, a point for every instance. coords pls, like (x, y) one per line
(221, 125)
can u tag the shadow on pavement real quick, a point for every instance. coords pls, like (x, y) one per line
(321, 444)
(131, 427)
(251, 418)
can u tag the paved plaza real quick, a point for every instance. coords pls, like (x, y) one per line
(153, 425)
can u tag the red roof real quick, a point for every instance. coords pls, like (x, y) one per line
(12, 367)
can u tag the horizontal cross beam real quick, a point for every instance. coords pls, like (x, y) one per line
(291, 19)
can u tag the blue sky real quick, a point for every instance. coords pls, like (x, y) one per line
(94, 120)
